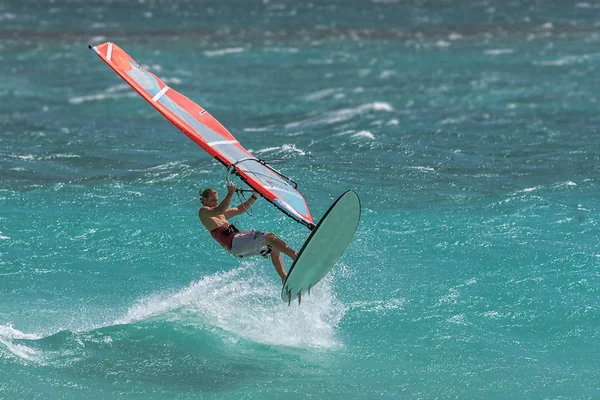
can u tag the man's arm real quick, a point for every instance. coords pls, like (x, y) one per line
(232, 212)
(222, 207)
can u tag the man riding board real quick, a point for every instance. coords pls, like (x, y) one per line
(214, 215)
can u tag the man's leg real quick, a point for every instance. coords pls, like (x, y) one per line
(280, 246)
(278, 264)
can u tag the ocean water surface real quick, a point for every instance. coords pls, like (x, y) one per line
(469, 129)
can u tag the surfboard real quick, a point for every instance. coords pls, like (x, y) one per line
(325, 245)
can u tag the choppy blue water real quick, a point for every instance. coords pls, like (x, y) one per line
(469, 129)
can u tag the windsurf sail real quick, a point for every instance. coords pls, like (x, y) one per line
(209, 134)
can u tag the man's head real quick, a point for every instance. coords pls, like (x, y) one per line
(209, 197)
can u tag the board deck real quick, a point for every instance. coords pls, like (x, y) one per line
(325, 245)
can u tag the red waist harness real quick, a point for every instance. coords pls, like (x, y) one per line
(224, 235)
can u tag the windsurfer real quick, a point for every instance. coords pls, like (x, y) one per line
(214, 215)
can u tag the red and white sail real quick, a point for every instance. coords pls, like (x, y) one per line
(208, 133)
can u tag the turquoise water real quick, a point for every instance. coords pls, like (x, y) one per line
(468, 129)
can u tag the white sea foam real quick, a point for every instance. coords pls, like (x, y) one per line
(20, 350)
(491, 314)
(563, 221)
(262, 129)
(289, 50)
(7, 16)
(498, 52)
(548, 25)
(112, 92)
(452, 121)
(23, 157)
(424, 169)
(248, 305)
(322, 94)
(460, 319)
(286, 148)
(8, 334)
(99, 97)
(567, 60)
(364, 134)
(174, 80)
(166, 167)
(450, 298)
(345, 114)
(224, 52)
(97, 39)
(388, 74)
(60, 156)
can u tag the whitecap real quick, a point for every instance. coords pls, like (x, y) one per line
(176, 81)
(98, 39)
(498, 52)
(321, 94)
(257, 129)
(492, 314)
(563, 221)
(8, 334)
(387, 74)
(345, 114)
(60, 156)
(223, 52)
(364, 134)
(548, 25)
(460, 319)
(7, 16)
(153, 67)
(287, 148)
(20, 350)
(452, 121)
(266, 150)
(450, 298)
(567, 60)
(98, 97)
(426, 169)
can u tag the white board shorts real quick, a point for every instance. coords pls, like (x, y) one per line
(250, 243)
